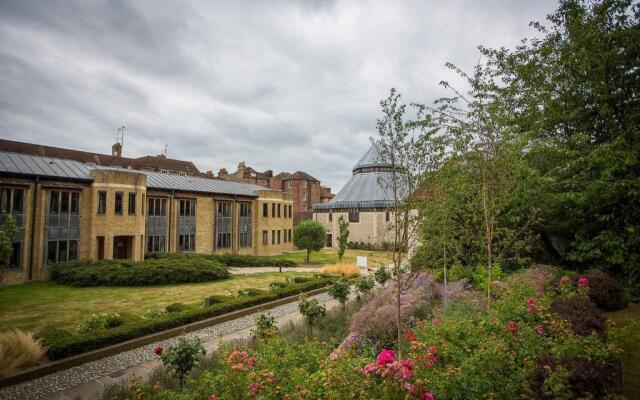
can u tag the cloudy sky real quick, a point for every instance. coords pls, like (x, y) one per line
(282, 85)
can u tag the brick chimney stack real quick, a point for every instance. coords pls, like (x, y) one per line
(222, 172)
(116, 150)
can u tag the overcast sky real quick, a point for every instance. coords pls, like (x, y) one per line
(281, 85)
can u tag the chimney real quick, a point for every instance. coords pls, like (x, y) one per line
(116, 150)
(269, 173)
(209, 174)
(223, 172)
(241, 168)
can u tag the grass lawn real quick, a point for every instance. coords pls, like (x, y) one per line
(630, 317)
(330, 256)
(35, 305)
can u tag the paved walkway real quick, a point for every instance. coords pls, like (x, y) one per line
(258, 270)
(88, 380)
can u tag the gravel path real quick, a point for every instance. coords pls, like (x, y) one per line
(113, 366)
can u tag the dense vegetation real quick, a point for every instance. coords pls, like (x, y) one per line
(230, 260)
(106, 329)
(137, 273)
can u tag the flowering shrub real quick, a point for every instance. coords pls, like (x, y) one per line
(265, 326)
(582, 315)
(100, 321)
(311, 310)
(182, 357)
(340, 291)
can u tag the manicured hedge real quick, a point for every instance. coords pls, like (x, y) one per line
(132, 273)
(63, 344)
(230, 260)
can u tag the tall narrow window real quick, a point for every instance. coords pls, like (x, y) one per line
(75, 203)
(102, 202)
(265, 209)
(290, 184)
(387, 216)
(132, 203)
(265, 238)
(223, 225)
(304, 184)
(245, 225)
(186, 225)
(273, 237)
(279, 210)
(278, 236)
(62, 225)
(289, 235)
(354, 216)
(118, 203)
(330, 217)
(273, 210)
(304, 196)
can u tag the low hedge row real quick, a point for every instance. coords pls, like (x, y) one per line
(138, 273)
(61, 343)
(230, 260)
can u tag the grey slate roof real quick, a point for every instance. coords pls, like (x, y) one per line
(31, 165)
(364, 189)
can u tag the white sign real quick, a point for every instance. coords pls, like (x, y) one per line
(362, 262)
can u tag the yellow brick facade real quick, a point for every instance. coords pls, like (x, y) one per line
(372, 227)
(107, 234)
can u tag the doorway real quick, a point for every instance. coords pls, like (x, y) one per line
(100, 245)
(329, 240)
(122, 247)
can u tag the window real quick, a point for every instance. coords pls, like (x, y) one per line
(157, 207)
(273, 210)
(64, 202)
(304, 184)
(245, 225)
(53, 202)
(387, 216)
(290, 184)
(156, 244)
(304, 196)
(279, 210)
(61, 251)
(118, 203)
(354, 216)
(290, 211)
(62, 226)
(330, 217)
(273, 237)
(223, 225)
(143, 203)
(187, 208)
(278, 237)
(186, 242)
(265, 210)
(265, 238)
(102, 202)
(132, 203)
(75, 202)
(289, 235)
(11, 201)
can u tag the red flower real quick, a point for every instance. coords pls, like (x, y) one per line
(386, 357)
(531, 305)
(158, 350)
(410, 336)
(436, 322)
(583, 281)
(213, 397)
(538, 329)
(512, 327)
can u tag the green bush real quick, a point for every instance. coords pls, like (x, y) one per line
(273, 286)
(211, 300)
(137, 273)
(63, 344)
(606, 292)
(175, 307)
(250, 292)
(98, 321)
(300, 279)
(230, 260)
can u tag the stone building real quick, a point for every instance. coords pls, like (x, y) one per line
(306, 189)
(364, 202)
(66, 209)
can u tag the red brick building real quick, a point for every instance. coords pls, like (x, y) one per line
(305, 188)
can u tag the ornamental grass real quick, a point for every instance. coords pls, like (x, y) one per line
(19, 350)
(347, 270)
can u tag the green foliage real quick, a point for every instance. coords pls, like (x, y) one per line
(152, 313)
(606, 292)
(382, 275)
(175, 307)
(133, 273)
(215, 299)
(340, 291)
(273, 286)
(228, 259)
(343, 236)
(99, 321)
(250, 292)
(310, 236)
(364, 286)
(61, 344)
(312, 310)
(8, 230)
(183, 356)
(265, 326)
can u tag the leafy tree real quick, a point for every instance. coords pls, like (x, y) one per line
(382, 275)
(364, 286)
(312, 310)
(343, 236)
(182, 357)
(340, 290)
(310, 236)
(8, 230)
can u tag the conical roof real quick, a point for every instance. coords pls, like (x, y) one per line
(368, 186)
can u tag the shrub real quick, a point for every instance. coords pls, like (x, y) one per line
(215, 299)
(250, 292)
(312, 310)
(300, 279)
(347, 270)
(230, 260)
(265, 326)
(582, 315)
(606, 292)
(576, 378)
(175, 307)
(132, 273)
(61, 343)
(182, 357)
(364, 286)
(153, 313)
(274, 286)
(382, 275)
(100, 321)
(19, 350)
(340, 291)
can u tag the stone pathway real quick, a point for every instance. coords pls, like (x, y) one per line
(258, 270)
(88, 380)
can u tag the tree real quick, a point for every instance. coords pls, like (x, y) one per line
(340, 291)
(311, 310)
(343, 236)
(382, 275)
(7, 232)
(310, 236)
(406, 147)
(364, 286)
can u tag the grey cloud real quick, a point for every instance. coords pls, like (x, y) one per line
(282, 85)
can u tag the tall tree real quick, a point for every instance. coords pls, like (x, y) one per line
(343, 236)
(310, 236)
(8, 230)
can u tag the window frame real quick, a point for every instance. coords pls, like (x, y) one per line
(131, 210)
(118, 207)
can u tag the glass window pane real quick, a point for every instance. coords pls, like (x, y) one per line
(149, 244)
(73, 250)
(53, 202)
(4, 200)
(118, 203)
(52, 251)
(62, 251)
(75, 202)
(64, 202)
(18, 199)
(161, 246)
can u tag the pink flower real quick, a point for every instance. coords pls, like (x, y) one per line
(583, 281)
(410, 336)
(158, 350)
(386, 356)
(436, 322)
(565, 280)
(213, 397)
(512, 327)
(538, 329)
(409, 387)
(531, 305)
(369, 368)
(254, 388)
(540, 292)
(426, 396)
